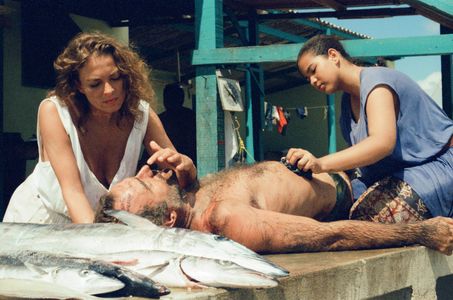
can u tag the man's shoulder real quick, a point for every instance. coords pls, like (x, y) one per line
(218, 216)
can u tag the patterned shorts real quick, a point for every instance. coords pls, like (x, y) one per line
(390, 200)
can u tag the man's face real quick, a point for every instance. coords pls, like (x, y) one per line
(147, 189)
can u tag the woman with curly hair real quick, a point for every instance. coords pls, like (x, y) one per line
(90, 130)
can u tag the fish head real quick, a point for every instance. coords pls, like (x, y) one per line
(223, 273)
(84, 280)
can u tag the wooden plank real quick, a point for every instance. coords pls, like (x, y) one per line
(440, 11)
(331, 124)
(333, 31)
(249, 132)
(3, 200)
(343, 14)
(209, 35)
(441, 6)
(447, 78)
(281, 34)
(257, 92)
(405, 46)
(331, 4)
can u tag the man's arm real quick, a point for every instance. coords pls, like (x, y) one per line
(268, 231)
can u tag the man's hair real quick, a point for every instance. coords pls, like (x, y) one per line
(320, 44)
(105, 203)
(157, 213)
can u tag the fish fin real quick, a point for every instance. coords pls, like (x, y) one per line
(131, 262)
(35, 268)
(157, 269)
(131, 219)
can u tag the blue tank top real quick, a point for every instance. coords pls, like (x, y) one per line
(423, 129)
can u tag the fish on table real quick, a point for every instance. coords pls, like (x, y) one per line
(38, 289)
(177, 270)
(85, 275)
(173, 257)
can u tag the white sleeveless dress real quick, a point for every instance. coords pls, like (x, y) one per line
(39, 198)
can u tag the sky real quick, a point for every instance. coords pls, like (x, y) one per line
(425, 70)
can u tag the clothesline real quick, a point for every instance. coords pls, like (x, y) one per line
(295, 108)
(279, 115)
(307, 107)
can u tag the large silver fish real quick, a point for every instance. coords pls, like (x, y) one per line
(85, 275)
(38, 289)
(96, 240)
(177, 270)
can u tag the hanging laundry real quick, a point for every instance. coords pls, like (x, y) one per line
(231, 141)
(268, 119)
(302, 112)
(275, 115)
(282, 123)
(287, 115)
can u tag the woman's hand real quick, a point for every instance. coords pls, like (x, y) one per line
(181, 164)
(304, 160)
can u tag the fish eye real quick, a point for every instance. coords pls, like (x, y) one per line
(225, 263)
(84, 273)
(221, 238)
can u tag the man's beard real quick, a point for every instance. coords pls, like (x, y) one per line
(158, 213)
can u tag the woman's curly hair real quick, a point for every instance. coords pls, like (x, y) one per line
(133, 69)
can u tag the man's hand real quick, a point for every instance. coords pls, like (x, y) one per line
(437, 233)
(304, 160)
(181, 164)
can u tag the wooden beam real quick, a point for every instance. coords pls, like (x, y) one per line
(447, 78)
(344, 14)
(331, 4)
(209, 117)
(333, 31)
(407, 46)
(239, 29)
(135, 21)
(324, 28)
(255, 108)
(440, 11)
(3, 200)
(281, 34)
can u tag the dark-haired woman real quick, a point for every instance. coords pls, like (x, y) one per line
(400, 140)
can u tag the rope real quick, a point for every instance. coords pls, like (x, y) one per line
(242, 149)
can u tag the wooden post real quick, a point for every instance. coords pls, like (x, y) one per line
(3, 201)
(209, 115)
(447, 78)
(331, 119)
(331, 124)
(257, 91)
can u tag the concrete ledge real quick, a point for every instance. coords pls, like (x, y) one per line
(395, 273)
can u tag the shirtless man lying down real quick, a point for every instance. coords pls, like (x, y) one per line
(269, 209)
